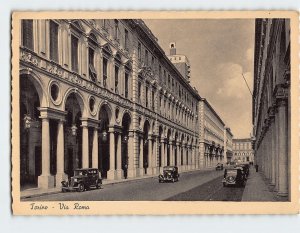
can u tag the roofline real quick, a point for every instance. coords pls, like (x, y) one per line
(147, 31)
(211, 108)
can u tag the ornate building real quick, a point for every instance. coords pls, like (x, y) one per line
(215, 137)
(101, 93)
(228, 147)
(271, 102)
(242, 150)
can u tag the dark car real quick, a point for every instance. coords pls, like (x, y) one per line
(219, 166)
(234, 176)
(246, 169)
(83, 179)
(170, 174)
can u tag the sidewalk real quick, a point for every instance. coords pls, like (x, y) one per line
(256, 189)
(37, 192)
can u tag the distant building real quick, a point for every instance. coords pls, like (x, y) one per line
(228, 145)
(215, 137)
(242, 150)
(272, 102)
(181, 62)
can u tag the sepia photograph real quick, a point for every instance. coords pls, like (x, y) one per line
(187, 111)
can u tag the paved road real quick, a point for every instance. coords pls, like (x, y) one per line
(196, 185)
(210, 191)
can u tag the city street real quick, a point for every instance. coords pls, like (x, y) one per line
(192, 186)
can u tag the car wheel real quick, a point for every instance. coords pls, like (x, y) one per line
(224, 184)
(98, 186)
(173, 180)
(81, 187)
(63, 190)
(159, 181)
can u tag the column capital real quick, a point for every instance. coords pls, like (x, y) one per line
(89, 122)
(52, 113)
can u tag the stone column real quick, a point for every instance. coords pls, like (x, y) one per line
(111, 173)
(283, 187)
(60, 175)
(95, 149)
(141, 162)
(85, 145)
(150, 155)
(154, 155)
(165, 154)
(131, 169)
(45, 180)
(162, 151)
(119, 171)
(276, 133)
(171, 153)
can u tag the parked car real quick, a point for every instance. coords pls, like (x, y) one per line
(246, 169)
(234, 176)
(219, 166)
(83, 179)
(169, 174)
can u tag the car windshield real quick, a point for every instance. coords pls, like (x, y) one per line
(80, 173)
(231, 172)
(168, 169)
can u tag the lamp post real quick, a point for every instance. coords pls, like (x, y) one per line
(27, 124)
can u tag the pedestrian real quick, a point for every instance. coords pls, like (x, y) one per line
(256, 167)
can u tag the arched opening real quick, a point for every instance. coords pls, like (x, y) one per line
(168, 147)
(30, 134)
(73, 135)
(126, 121)
(146, 146)
(104, 141)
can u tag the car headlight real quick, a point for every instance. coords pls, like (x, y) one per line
(75, 180)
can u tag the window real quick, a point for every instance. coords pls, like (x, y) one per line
(159, 71)
(104, 72)
(116, 30)
(169, 81)
(53, 41)
(92, 71)
(152, 62)
(152, 101)
(165, 76)
(74, 53)
(126, 39)
(139, 92)
(139, 51)
(116, 79)
(27, 33)
(146, 57)
(126, 84)
(146, 97)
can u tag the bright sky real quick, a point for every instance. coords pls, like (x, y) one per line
(219, 52)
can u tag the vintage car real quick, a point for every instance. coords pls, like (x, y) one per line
(169, 174)
(219, 166)
(83, 179)
(234, 176)
(245, 169)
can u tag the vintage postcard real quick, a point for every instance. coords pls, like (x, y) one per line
(155, 113)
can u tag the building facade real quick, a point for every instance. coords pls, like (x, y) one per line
(102, 94)
(271, 102)
(215, 137)
(228, 145)
(242, 150)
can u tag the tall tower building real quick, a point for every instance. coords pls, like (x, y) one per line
(181, 62)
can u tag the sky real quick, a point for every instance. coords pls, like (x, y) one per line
(219, 51)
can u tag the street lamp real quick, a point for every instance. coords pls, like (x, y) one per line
(27, 121)
(74, 130)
